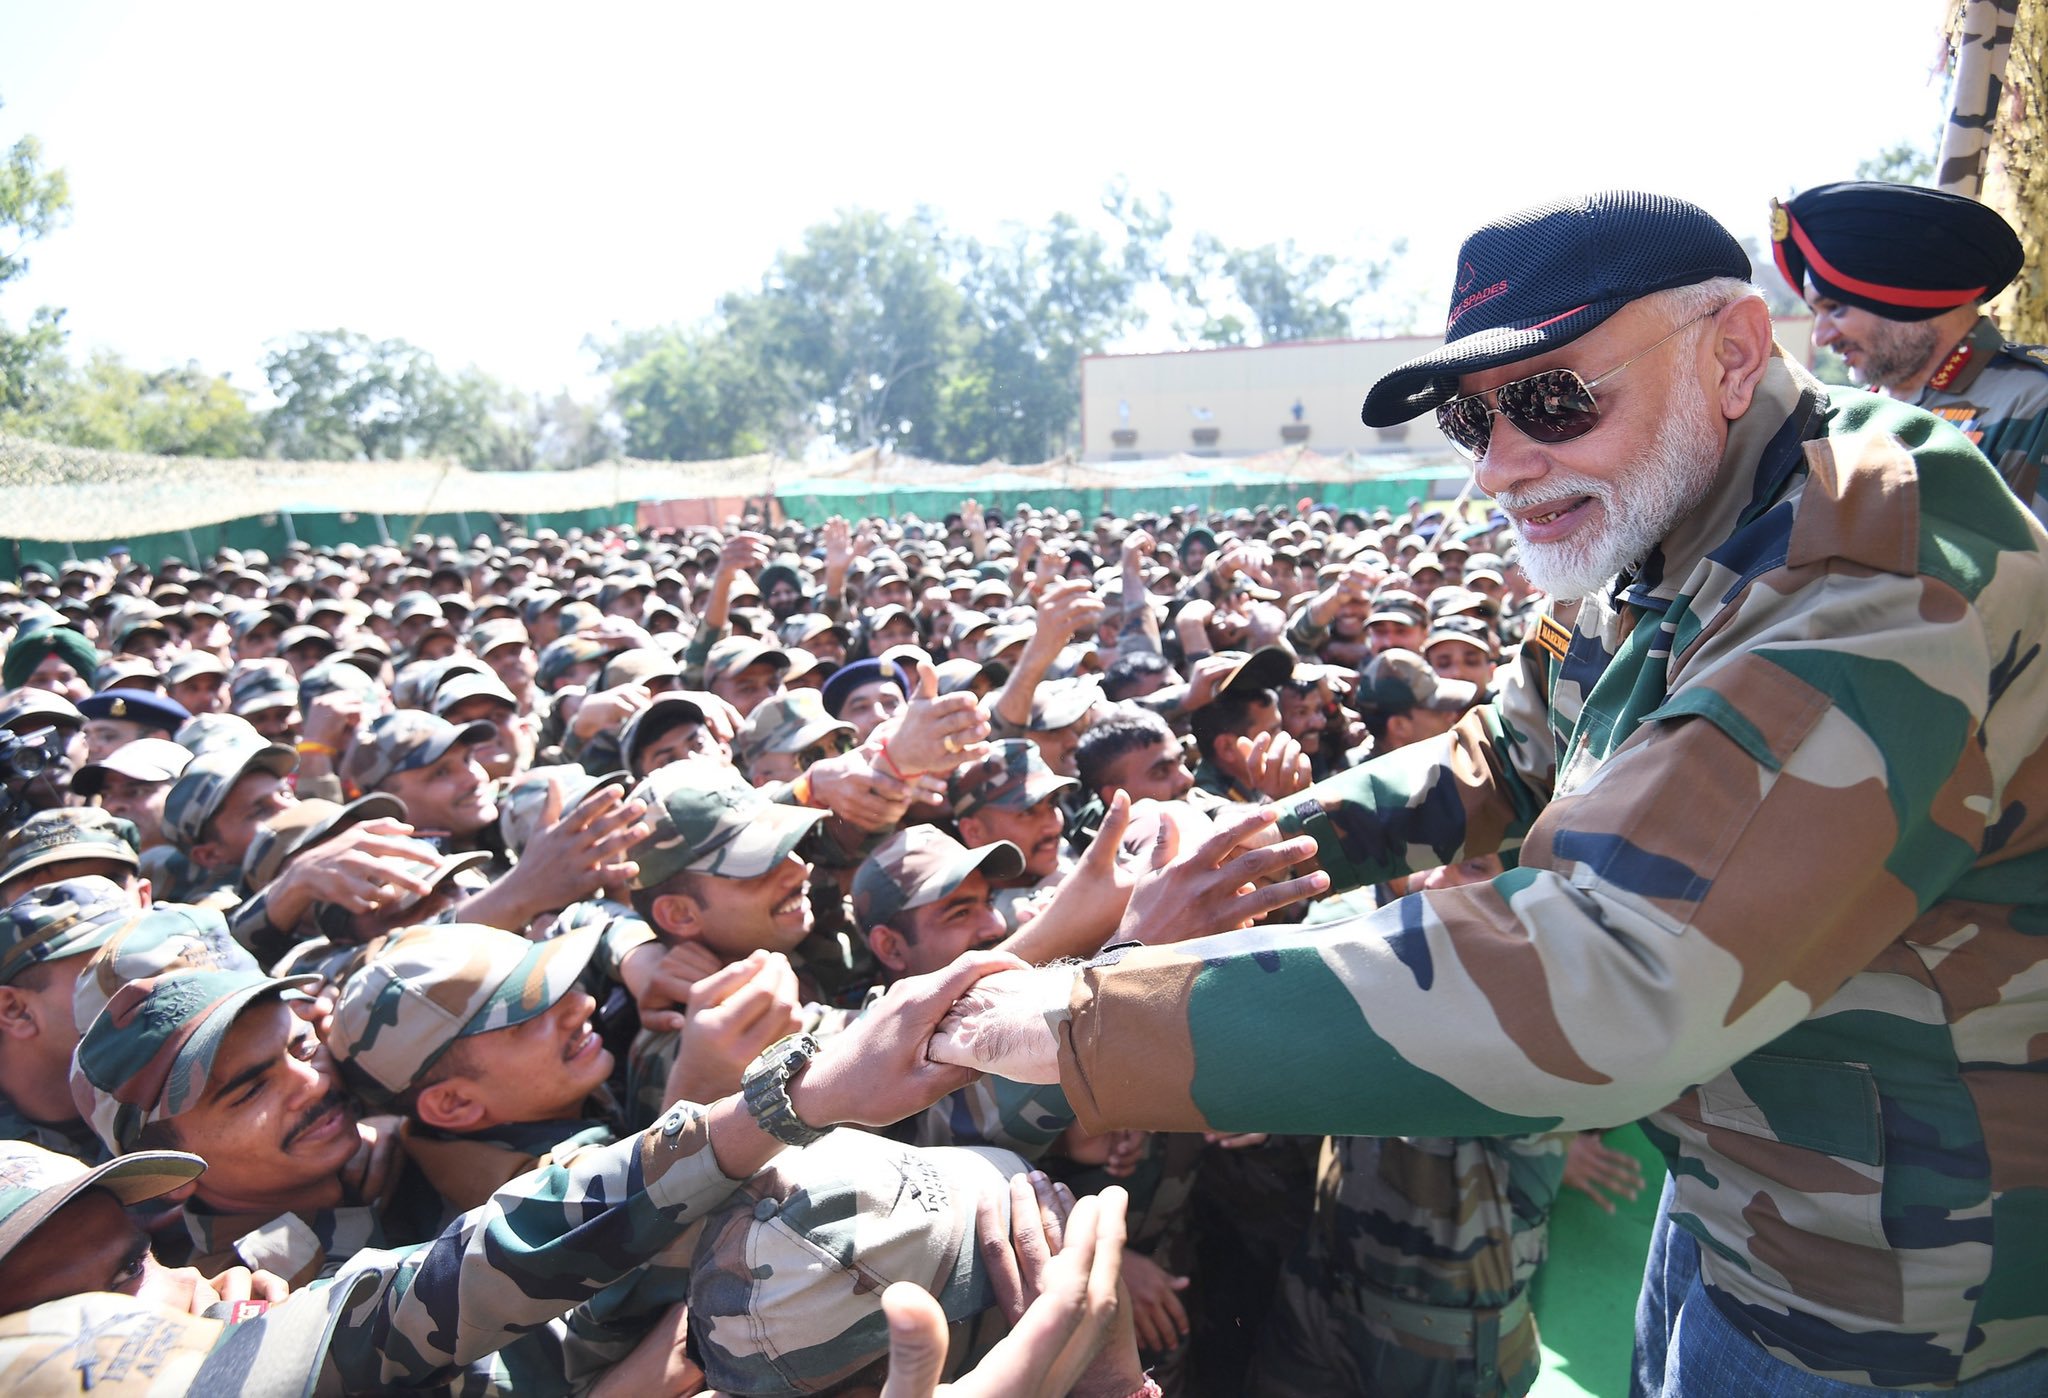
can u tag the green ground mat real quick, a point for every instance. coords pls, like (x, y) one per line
(1585, 1293)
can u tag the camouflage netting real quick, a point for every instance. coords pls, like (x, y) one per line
(66, 494)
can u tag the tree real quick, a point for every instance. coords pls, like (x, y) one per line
(32, 201)
(342, 396)
(866, 316)
(1275, 293)
(706, 392)
(112, 406)
(1908, 162)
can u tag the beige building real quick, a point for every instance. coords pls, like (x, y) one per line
(1242, 401)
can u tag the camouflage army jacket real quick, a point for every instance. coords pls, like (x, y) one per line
(1997, 395)
(1778, 808)
(544, 1242)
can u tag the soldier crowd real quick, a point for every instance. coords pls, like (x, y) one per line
(512, 966)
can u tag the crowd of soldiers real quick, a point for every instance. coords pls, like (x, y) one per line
(510, 966)
(457, 864)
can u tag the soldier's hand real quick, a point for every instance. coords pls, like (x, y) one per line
(744, 553)
(1215, 879)
(1274, 764)
(853, 788)
(935, 732)
(363, 869)
(734, 1014)
(1237, 1140)
(838, 544)
(720, 717)
(1157, 1314)
(1000, 1025)
(1592, 1167)
(875, 1072)
(581, 852)
(1067, 1340)
(241, 1284)
(609, 710)
(332, 719)
(661, 977)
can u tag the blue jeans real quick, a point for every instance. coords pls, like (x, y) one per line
(1686, 1347)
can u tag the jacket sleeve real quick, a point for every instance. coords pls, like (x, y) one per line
(1816, 779)
(546, 1241)
(1475, 790)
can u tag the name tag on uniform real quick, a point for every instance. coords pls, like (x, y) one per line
(1550, 638)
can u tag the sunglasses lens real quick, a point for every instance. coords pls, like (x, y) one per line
(1554, 406)
(1467, 424)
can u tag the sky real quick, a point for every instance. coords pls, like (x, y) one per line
(495, 183)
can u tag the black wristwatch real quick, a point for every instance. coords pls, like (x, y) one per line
(765, 1089)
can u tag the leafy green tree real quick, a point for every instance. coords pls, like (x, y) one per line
(705, 392)
(113, 406)
(342, 396)
(32, 201)
(867, 317)
(1907, 162)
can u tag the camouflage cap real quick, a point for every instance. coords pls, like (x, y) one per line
(563, 654)
(487, 636)
(1011, 777)
(69, 918)
(35, 1183)
(168, 938)
(211, 732)
(421, 988)
(416, 604)
(149, 760)
(125, 672)
(262, 685)
(524, 808)
(919, 865)
(192, 664)
(337, 676)
(196, 797)
(787, 1278)
(809, 626)
(1465, 630)
(299, 636)
(637, 665)
(1398, 680)
(147, 1055)
(1057, 704)
(997, 639)
(706, 819)
(124, 1347)
(464, 687)
(304, 824)
(668, 711)
(736, 653)
(406, 740)
(69, 832)
(1397, 606)
(26, 710)
(788, 722)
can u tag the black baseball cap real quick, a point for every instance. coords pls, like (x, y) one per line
(1544, 276)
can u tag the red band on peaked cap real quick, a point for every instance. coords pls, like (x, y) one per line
(1876, 291)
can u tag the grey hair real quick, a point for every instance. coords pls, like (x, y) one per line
(1684, 303)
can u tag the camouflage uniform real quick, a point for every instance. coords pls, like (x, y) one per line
(463, 1307)
(1779, 885)
(1996, 393)
(196, 797)
(1012, 777)
(787, 1278)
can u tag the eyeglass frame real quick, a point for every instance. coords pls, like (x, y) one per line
(1587, 385)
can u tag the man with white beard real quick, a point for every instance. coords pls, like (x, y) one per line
(1771, 790)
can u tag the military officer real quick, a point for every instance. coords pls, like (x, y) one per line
(1897, 278)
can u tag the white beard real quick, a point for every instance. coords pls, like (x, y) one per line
(1638, 504)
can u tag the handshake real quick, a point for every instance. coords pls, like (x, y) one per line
(1178, 875)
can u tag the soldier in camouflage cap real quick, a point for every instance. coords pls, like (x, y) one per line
(1403, 700)
(159, 942)
(214, 810)
(206, 733)
(707, 821)
(923, 898)
(1012, 797)
(671, 729)
(54, 845)
(147, 1056)
(787, 1278)
(772, 744)
(485, 1040)
(431, 765)
(121, 1347)
(743, 671)
(51, 935)
(266, 693)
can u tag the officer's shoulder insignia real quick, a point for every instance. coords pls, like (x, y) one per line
(2034, 356)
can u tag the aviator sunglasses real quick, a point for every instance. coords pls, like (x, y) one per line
(1555, 405)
